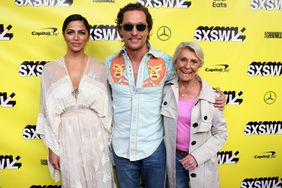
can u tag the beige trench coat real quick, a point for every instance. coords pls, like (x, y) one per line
(208, 134)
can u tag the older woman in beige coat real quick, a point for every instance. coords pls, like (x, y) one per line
(203, 126)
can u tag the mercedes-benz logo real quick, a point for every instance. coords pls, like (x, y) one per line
(270, 97)
(164, 33)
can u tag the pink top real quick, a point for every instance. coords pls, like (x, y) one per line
(183, 123)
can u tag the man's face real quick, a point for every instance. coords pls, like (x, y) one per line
(135, 37)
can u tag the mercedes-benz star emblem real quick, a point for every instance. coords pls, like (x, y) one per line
(270, 97)
(164, 33)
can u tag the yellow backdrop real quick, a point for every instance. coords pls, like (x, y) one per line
(242, 41)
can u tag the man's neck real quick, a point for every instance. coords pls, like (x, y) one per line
(137, 55)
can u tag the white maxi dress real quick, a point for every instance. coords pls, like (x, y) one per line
(77, 127)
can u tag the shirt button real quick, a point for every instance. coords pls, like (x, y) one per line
(195, 125)
(193, 142)
(165, 103)
(205, 117)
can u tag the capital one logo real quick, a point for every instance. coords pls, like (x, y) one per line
(218, 68)
(165, 3)
(4, 35)
(47, 3)
(266, 155)
(5, 101)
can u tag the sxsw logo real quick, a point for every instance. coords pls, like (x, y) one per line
(219, 33)
(29, 133)
(104, 32)
(46, 3)
(232, 98)
(8, 162)
(4, 35)
(262, 182)
(5, 101)
(266, 4)
(45, 186)
(263, 128)
(227, 157)
(165, 3)
(31, 68)
(265, 69)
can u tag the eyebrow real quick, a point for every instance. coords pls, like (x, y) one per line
(71, 29)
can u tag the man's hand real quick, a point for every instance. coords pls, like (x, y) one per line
(220, 101)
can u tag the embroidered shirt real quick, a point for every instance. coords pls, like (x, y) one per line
(138, 129)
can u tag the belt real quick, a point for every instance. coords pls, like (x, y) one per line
(182, 153)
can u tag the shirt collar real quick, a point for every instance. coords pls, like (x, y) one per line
(150, 52)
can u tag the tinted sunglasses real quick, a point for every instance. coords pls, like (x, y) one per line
(129, 26)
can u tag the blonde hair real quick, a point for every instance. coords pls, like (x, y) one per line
(190, 46)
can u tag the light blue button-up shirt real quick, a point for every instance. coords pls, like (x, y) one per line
(138, 128)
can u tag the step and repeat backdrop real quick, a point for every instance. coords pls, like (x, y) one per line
(242, 41)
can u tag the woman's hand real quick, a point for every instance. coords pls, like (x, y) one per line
(54, 159)
(189, 162)
(220, 101)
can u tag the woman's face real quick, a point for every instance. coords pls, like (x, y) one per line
(187, 65)
(76, 36)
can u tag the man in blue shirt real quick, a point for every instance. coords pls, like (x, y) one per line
(137, 75)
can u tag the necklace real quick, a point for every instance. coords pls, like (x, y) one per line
(184, 94)
(75, 92)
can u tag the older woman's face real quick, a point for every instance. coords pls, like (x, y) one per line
(187, 65)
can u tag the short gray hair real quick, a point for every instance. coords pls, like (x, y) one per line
(190, 46)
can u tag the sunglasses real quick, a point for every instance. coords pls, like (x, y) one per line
(129, 26)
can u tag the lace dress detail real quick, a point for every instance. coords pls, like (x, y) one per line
(77, 127)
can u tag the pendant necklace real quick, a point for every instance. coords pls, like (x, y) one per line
(75, 92)
(184, 94)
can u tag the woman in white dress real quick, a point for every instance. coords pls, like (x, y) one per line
(75, 113)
